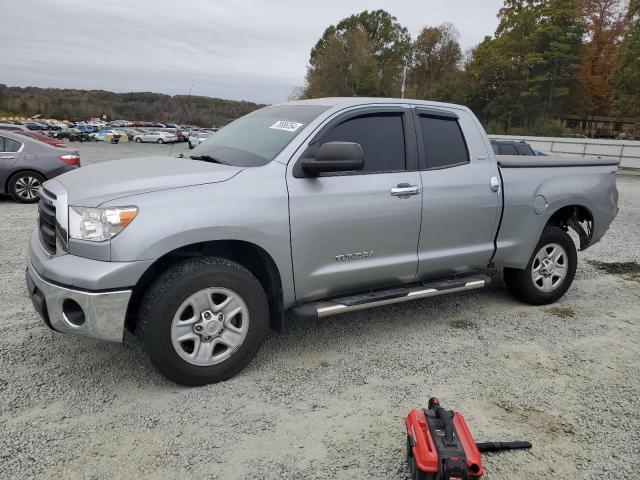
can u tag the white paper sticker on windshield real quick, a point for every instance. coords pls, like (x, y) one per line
(286, 125)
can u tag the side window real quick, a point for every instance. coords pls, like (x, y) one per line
(508, 149)
(9, 145)
(495, 148)
(444, 144)
(524, 149)
(381, 137)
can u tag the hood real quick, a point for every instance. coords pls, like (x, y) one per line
(95, 184)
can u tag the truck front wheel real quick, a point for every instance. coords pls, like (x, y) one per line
(203, 320)
(550, 270)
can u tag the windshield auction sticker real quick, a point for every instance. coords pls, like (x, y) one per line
(286, 126)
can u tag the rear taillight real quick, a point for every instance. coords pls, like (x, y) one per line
(70, 159)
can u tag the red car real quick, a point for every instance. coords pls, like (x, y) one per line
(56, 142)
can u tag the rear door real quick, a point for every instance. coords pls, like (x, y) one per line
(461, 197)
(10, 151)
(350, 231)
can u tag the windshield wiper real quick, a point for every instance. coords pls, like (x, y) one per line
(206, 158)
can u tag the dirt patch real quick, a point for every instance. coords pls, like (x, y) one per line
(551, 425)
(461, 323)
(561, 312)
(627, 270)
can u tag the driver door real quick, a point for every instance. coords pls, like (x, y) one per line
(351, 231)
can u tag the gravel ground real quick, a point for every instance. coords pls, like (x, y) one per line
(326, 399)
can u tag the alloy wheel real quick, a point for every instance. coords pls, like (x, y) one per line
(549, 267)
(27, 187)
(210, 326)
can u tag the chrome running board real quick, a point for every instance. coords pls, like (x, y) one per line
(335, 306)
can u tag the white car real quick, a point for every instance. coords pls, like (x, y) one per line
(197, 138)
(106, 135)
(156, 137)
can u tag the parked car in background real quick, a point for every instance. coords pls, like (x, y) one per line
(186, 132)
(119, 123)
(52, 126)
(105, 135)
(197, 138)
(511, 147)
(35, 126)
(84, 128)
(155, 136)
(25, 163)
(13, 127)
(133, 132)
(55, 142)
(73, 134)
(540, 153)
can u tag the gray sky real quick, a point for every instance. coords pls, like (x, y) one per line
(237, 49)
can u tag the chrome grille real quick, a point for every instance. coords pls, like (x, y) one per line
(47, 222)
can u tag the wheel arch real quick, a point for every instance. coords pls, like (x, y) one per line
(21, 170)
(251, 256)
(577, 217)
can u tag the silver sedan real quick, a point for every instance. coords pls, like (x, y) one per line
(25, 163)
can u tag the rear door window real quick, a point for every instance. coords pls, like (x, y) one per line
(444, 144)
(9, 145)
(508, 149)
(524, 149)
(381, 137)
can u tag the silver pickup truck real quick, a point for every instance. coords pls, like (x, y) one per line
(311, 208)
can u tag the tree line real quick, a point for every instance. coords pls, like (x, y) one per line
(84, 104)
(547, 59)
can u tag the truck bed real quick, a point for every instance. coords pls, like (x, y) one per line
(521, 161)
(536, 187)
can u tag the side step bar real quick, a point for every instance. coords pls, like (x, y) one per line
(335, 306)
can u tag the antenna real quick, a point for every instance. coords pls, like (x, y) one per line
(184, 110)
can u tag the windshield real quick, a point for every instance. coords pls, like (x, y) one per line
(257, 138)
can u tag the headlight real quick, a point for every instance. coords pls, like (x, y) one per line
(99, 224)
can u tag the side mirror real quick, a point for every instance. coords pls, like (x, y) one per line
(335, 157)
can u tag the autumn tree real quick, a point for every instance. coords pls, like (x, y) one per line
(363, 54)
(436, 57)
(528, 71)
(604, 26)
(625, 78)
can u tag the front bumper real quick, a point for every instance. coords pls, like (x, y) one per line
(102, 314)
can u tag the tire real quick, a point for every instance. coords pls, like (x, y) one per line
(190, 146)
(24, 186)
(554, 269)
(168, 301)
(160, 140)
(138, 140)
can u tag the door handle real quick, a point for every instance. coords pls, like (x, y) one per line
(7, 157)
(405, 189)
(495, 184)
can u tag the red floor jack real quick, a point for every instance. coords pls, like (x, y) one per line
(440, 445)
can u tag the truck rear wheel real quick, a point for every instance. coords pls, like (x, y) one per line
(550, 271)
(203, 320)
